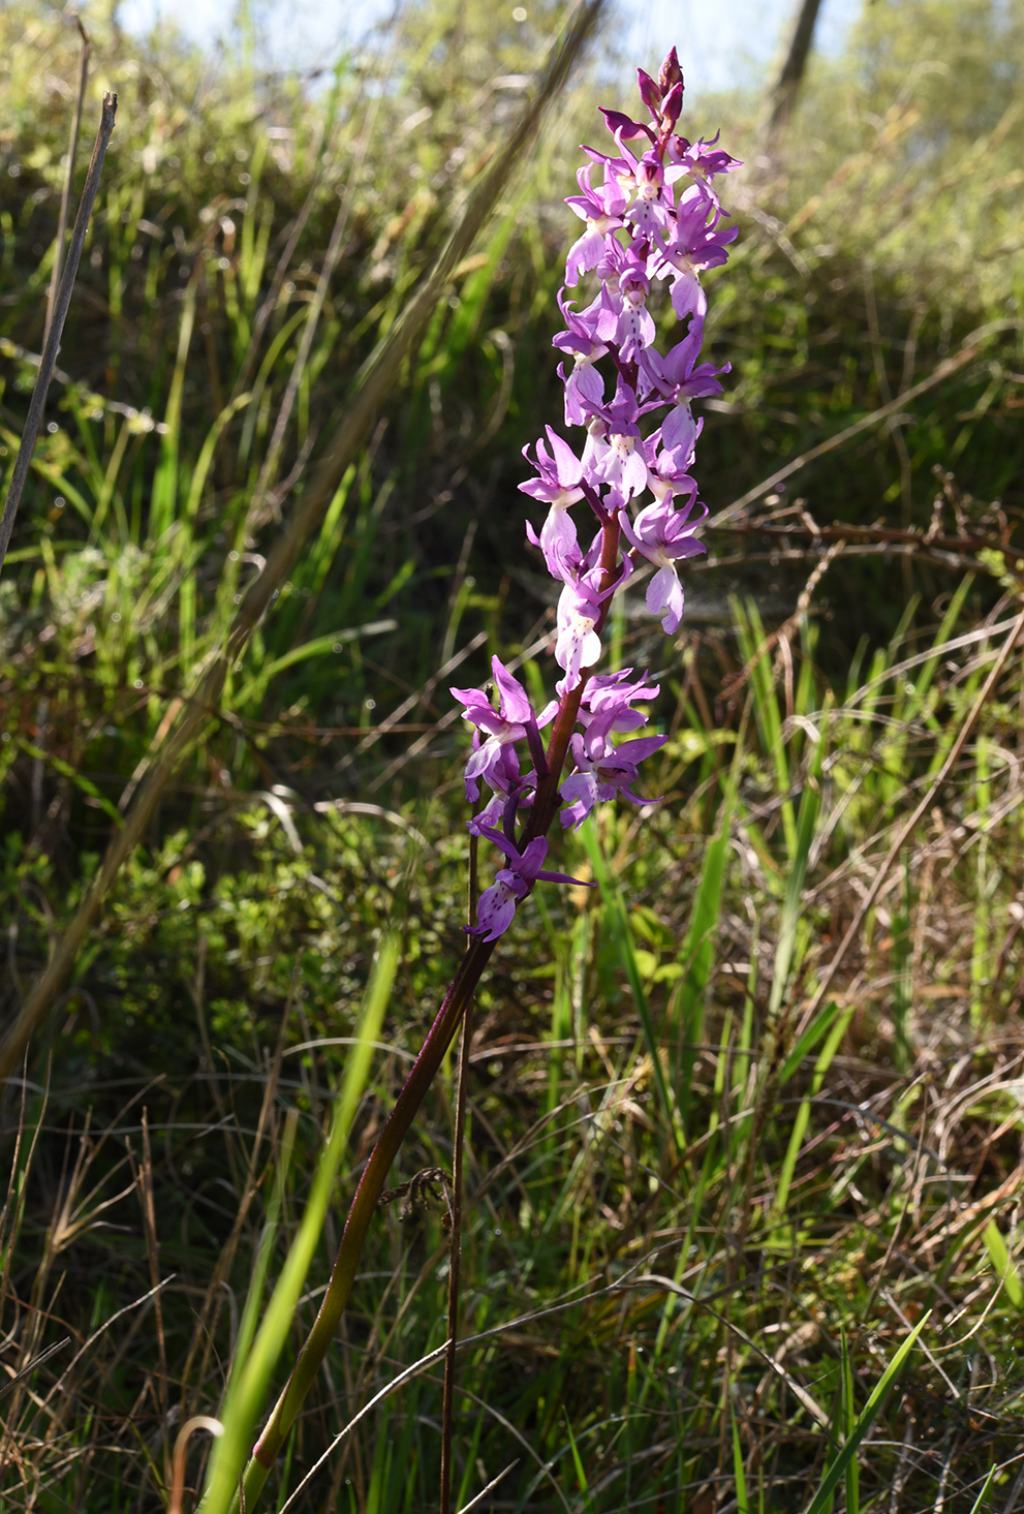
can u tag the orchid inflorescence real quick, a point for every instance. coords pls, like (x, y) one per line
(654, 215)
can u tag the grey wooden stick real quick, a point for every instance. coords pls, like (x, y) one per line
(69, 179)
(37, 404)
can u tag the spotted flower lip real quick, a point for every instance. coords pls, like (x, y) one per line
(619, 487)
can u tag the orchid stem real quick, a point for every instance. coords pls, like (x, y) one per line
(451, 1014)
(364, 1202)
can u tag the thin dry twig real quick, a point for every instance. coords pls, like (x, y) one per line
(65, 198)
(37, 404)
(175, 1502)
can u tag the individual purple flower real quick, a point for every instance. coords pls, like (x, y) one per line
(582, 337)
(608, 700)
(702, 161)
(559, 472)
(490, 815)
(634, 331)
(497, 905)
(578, 644)
(602, 210)
(678, 375)
(603, 771)
(581, 607)
(494, 758)
(650, 210)
(697, 243)
(667, 474)
(615, 445)
(664, 536)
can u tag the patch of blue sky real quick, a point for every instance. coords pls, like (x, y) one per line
(730, 42)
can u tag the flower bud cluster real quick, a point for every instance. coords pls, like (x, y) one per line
(651, 216)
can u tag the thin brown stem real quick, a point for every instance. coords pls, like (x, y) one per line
(361, 1212)
(455, 1247)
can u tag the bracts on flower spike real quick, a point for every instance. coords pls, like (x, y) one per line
(621, 498)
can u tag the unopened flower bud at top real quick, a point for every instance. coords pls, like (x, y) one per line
(670, 73)
(649, 92)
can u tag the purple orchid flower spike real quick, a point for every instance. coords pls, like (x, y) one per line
(664, 536)
(652, 218)
(497, 906)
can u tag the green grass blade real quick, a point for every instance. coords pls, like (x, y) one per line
(739, 1471)
(1003, 1264)
(796, 1137)
(836, 1471)
(979, 1502)
(849, 1418)
(248, 1390)
(792, 907)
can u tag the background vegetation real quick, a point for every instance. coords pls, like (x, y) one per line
(716, 1178)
